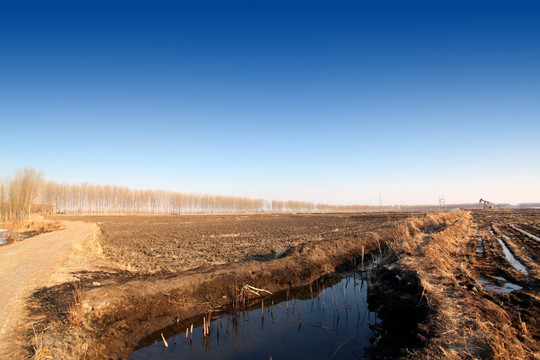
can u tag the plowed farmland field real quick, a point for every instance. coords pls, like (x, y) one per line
(168, 243)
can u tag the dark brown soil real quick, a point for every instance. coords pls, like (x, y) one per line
(169, 243)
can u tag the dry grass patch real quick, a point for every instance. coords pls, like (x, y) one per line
(75, 308)
(38, 225)
(41, 351)
(22, 229)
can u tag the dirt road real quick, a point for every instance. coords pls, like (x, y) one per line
(28, 265)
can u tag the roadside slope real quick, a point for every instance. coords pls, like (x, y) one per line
(28, 265)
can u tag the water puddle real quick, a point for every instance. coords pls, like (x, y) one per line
(328, 319)
(479, 246)
(3, 236)
(507, 286)
(515, 263)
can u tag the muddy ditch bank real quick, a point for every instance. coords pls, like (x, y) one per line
(396, 294)
(108, 314)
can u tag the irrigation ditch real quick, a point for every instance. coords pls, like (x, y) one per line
(368, 308)
(329, 318)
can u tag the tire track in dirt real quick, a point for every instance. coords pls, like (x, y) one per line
(26, 266)
(522, 248)
(535, 238)
(505, 289)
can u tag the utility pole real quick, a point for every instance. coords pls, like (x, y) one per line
(380, 200)
(442, 204)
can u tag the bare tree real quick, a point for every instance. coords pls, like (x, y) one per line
(22, 190)
(3, 205)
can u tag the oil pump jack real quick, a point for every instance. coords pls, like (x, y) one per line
(487, 204)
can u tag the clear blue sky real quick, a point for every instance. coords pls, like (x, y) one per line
(325, 101)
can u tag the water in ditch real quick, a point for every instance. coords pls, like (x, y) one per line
(3, 236)
(327, 320)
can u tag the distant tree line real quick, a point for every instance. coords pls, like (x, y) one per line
(106, 199)
(27, 190)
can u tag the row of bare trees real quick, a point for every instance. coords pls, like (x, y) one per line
(106, 199)
(17, 196)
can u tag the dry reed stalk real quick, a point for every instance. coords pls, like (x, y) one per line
(255, 290)
(339, 347)
(362, 258)
(164, 341)
(41, 352)
(204, 326)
